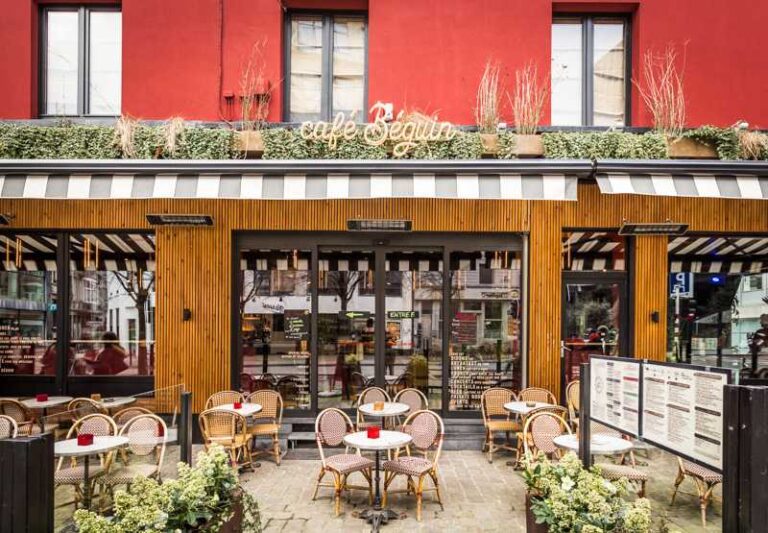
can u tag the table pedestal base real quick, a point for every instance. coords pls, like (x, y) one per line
(377, 517)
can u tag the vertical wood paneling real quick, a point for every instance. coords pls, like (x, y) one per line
(650, 292)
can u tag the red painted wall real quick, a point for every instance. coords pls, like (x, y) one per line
(423, 54)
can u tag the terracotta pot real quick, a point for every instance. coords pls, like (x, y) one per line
(249, 142)
(490, 143)
(529, 146)
(687, 148)
(530, 520)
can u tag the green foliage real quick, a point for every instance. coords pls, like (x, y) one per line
(206, 143)
(57, 142)
(724, 140)
(465, 145)
(201, 499)
(604, 145)
(280, 143)
(507, 146)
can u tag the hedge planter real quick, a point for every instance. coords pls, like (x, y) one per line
(688, 148)
(529, 146)
(251, 143)
(530, 520)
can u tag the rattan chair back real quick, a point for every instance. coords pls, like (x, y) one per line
(541, 429)
(8, 427)
(271, 405)
(413, 398)
(372, 394)
(573, 399)
(331, 426)
(98, 425)
(16, 410)
(123, 417)
(222, 398)
(492, 402)
(222, 427)
(145, 434)
(558, 410)
(536, 394)
(82, 407)
(427, 430)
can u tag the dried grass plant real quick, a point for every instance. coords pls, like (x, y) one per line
(528, 100)
(663, 91)
(173, 129)
(255, 91)
(487, 101)
(752, 144)
(125, 131)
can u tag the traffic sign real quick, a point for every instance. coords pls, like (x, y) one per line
(681, 284)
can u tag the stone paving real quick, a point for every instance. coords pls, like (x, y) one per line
(478, 496)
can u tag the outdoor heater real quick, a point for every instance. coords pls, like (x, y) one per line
(179, 220)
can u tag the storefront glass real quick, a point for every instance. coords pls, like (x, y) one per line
(112, 305)
(28, 304)
(275, 307)
(486, 311)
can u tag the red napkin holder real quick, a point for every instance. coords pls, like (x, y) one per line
(41, 397)
(85, 439)
(160, 430)
(238, 405)
(374, 432)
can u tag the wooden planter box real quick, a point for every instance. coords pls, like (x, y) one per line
(490, 144)
(251, 143)
(529, 146)
(530, 520)
(687, 148)
(235, 523)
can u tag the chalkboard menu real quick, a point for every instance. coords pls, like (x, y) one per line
(296, 325)
(464, 328)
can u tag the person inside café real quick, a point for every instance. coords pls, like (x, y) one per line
(111, 359)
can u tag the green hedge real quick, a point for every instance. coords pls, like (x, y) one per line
(604, 145)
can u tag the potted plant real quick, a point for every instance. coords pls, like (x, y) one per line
(527, 106)
(564, 497)
(255, 97)
(487, 108)
(205, 498)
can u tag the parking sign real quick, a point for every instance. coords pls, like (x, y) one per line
(681, 283)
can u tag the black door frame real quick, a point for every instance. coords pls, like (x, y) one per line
(380, 244)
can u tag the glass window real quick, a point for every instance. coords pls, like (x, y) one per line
(327, 67)
(28, 304)
(589, 71)
(275, 311)
(83, 61)
(593, 251)
(718, 301)
(112, 272)
(485, 345)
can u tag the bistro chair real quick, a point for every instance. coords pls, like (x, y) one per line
(146, 449)
(496, 419)
(413, 398)
(572, 399)
(26, 422)
(263, 382)
(288, 387)
(230, 431)
(331, 426)
(268, 420)
(536, 394)
(97, 424)
(222, 398)
(369, 395)
(246, 383)
(8, 427)
(427, 431)
(81, 407)
(706, 480)
(557, 410)
(122, 417)
(357, 383)
(539, 433)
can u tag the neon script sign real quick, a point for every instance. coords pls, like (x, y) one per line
(403, 133)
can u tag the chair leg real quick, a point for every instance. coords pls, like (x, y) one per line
(419, 496)
(317, 483)
(641, 492)
(337, 485)
(433, 475)
(276, 446)
(490, 446)
(679, 479)
(705, 494)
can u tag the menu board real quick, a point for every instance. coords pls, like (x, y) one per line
(17, 352)
(296, 325)
(683, 410)
(464, 328)
(615, 393)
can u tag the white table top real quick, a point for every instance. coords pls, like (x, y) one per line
(247, 409)
(117, 401)
(387, 440)
(599, 444)
(390, 378)
(52, 401)
(390, 409)
(522, 408)
(149, 437)
(70, 448)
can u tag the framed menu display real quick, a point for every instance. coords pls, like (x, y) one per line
(615, 393)
(683, 410)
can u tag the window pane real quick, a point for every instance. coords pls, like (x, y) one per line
(105, 63)
(275, 318)
(609, 65)
(28, 296)
(485, 325)
(595, 251)
(567, 56)
(112, 275)
(61, 62)
(306, 68)
(349, 66)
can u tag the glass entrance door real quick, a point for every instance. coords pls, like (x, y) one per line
(594, 321)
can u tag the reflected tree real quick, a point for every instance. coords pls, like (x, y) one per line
(138, 286)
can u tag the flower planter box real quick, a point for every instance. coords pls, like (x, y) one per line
(235, 522)
(530, 520)
(251, 143)
(687, 148)
(490, 143)
(529, 146)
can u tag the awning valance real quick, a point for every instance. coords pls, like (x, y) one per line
(306, 180)
(710, 179)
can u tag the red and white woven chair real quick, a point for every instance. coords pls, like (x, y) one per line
(96, 424)
(539, 434)
(26, 421)
(8, 427)
(331, 426)
(427, 431)
(369, 395)
(706, 480)
(414, 399)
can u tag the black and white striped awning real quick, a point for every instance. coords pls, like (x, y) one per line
(715, 179)
(275, 180)
(719, 254)
(593, 251)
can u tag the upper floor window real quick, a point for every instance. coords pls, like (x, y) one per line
(326, 67)
(590, 71)
(81, 61)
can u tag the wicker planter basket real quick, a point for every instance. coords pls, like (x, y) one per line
(529, 146)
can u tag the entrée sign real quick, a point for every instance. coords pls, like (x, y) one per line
(403, 133)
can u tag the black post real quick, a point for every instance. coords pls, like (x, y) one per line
(584, 415)
(731, 458)
(26, 484)
(185, 428)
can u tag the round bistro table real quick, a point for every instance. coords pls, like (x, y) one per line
(389, 409)
(598, 444)
(522, 408)
(52, 401)
(115, 402)
(101, 444)
(247, 409)
(388, 440)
